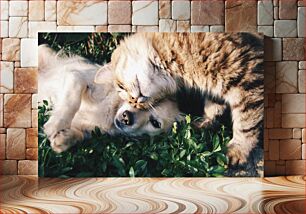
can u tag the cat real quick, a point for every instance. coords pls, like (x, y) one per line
(229, 66)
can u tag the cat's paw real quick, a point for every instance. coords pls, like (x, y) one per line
(236, 154)
(63, 140)
(202, 123)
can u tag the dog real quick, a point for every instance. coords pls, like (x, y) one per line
(79, 104)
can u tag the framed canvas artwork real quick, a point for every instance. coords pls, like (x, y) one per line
(150, 104)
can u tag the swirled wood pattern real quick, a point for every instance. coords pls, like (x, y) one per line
(27, 194)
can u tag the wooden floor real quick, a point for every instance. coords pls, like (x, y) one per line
(167, 195)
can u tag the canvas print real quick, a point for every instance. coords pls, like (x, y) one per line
(150, 104)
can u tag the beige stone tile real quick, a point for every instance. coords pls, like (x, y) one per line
(287, 9)
(278, 114)
(240, 15)
(273, 149)
(17, 110)
(119, 28)
(286, 77)
(11, 49)
(301, 22)
(29, 52)
(1, 111)
(50, 10)
(2, 130)
(280, 170)
(7, 77)
(4, 32)
(2, 146)
(199, 28)
(275, 13)
(180, 10)
(18, 8)
(17, 64)
(270, 168)
(303, 135)
(101, 28)
(265, 12)
(18, 27)
(75, 29)
(164, 9)
(293, 49)
(216, 28)
(32, 154)
(290, 149)
(4, 12)
(147, 28)
(266, 30)
(293, 103)
(302, 65)
(15, 143)
(91, 12)
(301, 81)
(36, 10)
(280, 134)
(297, 133)
(183, 26)
(167, 25)
(293, 120)
(272, 49)
(145, 13)
(27, 167)
(34, 101)
(303, 151)
(32, 138)
(295, 167)
(25, 80)
(285, 28)
(207, 12)
(119, 12)
(301, 3)
(8, 167)
(34, 118)
(36, 26)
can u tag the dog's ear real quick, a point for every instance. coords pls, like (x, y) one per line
(46, 55)
(104, 74)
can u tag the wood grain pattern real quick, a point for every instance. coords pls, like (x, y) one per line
(152, 195)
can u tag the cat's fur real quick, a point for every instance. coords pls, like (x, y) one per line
(80, 105)
(229, 66)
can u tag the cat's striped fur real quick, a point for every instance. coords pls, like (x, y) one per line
(149, 66)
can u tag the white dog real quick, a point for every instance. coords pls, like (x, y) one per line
(79, 104)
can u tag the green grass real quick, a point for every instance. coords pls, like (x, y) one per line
(184, 151)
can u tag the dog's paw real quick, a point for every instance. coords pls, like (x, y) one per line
(202, 123)
(52, 127)
(236, 154)
(63, 140)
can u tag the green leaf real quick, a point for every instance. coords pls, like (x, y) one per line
(140, 165)
(131, 172)
(182, 153)
(154, 156)
(45, 102)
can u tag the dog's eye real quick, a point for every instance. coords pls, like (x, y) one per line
(155, 123)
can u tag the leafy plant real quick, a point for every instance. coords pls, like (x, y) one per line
(184, 151)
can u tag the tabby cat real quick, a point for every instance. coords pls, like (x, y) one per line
(228, 66)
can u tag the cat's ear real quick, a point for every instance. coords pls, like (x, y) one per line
(46, 56)
(104, 74)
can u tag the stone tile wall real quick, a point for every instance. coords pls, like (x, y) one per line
(281, 20)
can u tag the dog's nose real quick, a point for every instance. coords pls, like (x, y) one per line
(127, 118)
